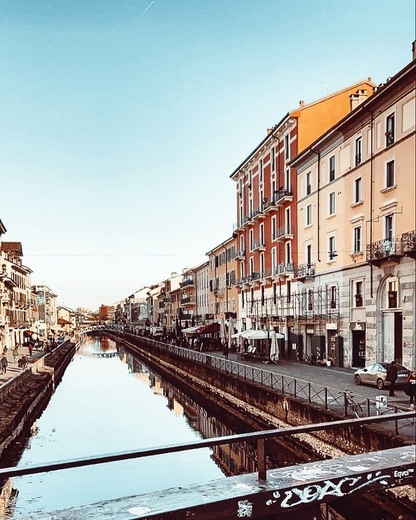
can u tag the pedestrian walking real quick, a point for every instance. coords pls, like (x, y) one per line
(4, 364)
(15, 353)
(30, 347)
(410, 388)
(392, 377)
(225, 351)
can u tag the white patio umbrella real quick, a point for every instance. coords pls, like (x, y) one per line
(259, 334)
(274, 351)
(230, 333)
(223, 333)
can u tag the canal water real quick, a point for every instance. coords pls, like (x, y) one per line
(108, 402)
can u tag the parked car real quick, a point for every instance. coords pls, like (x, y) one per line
(376, 374)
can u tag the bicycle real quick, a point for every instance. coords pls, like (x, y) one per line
(349, 402)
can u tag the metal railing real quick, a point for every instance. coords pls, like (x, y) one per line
(329, 398)
(259, 437)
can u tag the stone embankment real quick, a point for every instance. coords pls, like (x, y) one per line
(24, 397)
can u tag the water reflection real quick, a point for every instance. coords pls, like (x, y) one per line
(105, 405)
(109, 401)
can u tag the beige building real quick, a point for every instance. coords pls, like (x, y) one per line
(356, 232)
(15, 294)
(223, 292)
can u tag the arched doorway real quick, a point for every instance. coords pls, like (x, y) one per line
(391, 320)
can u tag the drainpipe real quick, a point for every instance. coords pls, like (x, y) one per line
(371, 196)
(318, 153)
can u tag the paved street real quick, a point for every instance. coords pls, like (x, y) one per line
(333, 377)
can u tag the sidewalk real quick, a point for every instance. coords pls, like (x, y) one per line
(332, 377)
(13, 368)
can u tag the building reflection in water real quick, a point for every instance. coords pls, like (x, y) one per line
(232, 459)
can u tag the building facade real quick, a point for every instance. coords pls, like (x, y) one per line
(266, 203)
(356, 233)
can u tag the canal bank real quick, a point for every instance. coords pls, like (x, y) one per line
(271, 408)
(25, 395)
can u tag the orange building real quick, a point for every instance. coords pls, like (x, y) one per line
(266, 209)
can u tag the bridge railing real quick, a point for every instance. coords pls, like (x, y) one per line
(259, 437)
(329, 398)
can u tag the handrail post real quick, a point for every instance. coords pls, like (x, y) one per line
(283, 384)
(294, 387)
(261, 459)
(309, 393)
(326, 397)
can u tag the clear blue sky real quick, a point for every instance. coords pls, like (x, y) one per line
(121, 121)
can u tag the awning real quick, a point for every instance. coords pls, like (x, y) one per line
(191, 330)
(209, 329)
(259, 334)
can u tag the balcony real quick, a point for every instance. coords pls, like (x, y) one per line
(187, 282)
(258, 213)
(304, 272)
(283, 270)
(408, 244)
(284, 233)
(240, 255)
(282, 196)
(383, 250)
(188, 300)
(259, 246)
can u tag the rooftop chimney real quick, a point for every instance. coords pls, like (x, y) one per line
(357, 98)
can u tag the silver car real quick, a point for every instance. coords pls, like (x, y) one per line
(376, 374)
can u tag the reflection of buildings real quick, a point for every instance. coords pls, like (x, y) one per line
(8, 496)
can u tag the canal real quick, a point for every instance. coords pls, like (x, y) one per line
(107, 402)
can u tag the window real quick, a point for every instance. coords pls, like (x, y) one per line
(390, 130)
(273, 159)
(273, 190)
(310, 300)
(287, 147)
(388, 228)
(390, 174)
(261, 234)
(261, 170)
(308, 183)
(392, 299)
(251, 266)
(309, 214)
(287, 221)
(251, 239)
(331, 172)
(288, 187)
(331, 248)
(274, 261)
(309, 254)
(332, 293)
(357, 190)
(288, 291)
(358, 294)
(358, 150)
(357, 240)
(250, 178)
(288, 253)
(331, 205)
(274, 229)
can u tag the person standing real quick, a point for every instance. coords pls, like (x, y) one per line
(4, 364)
(16, 353)
(410, 388)
(225, 350)
(392, 377)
